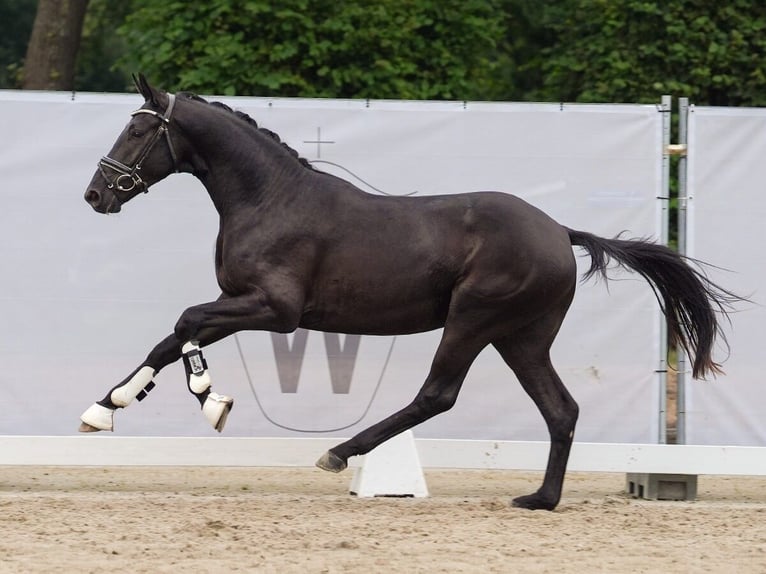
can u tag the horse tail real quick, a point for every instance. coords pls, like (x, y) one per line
(688, 299)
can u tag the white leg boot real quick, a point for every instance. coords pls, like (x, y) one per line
(215, 407)
(98, 417)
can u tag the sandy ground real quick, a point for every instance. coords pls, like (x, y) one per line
(195, 520)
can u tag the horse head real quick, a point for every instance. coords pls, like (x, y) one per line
(138, 158)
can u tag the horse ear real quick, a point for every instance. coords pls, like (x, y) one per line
(151, 95)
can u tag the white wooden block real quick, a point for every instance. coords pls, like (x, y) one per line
(391, 469)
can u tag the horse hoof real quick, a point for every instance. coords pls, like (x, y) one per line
(331, 462)
(533, 502)
(97, 418)
(85, 427)
(216, 410)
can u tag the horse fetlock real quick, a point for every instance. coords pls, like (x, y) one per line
(197, 376)
(200, 383)
(97, 418)
(136, 386)
(216, 409)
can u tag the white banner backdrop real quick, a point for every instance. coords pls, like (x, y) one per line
(727, 210)
(85, 297)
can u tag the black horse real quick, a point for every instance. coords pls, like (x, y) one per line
(302, 248)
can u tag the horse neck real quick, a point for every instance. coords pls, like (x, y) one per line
(238, 164)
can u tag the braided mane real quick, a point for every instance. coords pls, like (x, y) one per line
(247, 119)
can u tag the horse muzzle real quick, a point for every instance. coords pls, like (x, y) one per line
(102, 204)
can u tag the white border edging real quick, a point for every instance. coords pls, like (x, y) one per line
(434, 453)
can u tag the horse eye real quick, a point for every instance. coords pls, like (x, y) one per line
(134, 133)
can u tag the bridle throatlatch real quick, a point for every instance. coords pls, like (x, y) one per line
(128, 178)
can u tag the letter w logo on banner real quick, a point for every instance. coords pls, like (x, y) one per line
(341, 360)
(289, 359)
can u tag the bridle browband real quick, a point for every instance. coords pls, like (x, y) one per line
(125, 172)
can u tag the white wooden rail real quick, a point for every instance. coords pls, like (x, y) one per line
(109, 450)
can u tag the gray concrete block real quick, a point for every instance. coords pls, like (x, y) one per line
(652, 486)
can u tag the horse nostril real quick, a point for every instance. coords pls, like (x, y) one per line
(92, 196)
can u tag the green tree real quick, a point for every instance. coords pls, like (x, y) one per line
(17, 16)
(51, 56)
(635, 50)
(101, 48)
(442, 49)
(528, 35)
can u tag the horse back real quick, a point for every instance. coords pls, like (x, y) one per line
(405, 260)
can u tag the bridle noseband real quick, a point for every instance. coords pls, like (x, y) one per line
(130, 175)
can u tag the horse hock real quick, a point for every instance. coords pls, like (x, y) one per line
(215, 407)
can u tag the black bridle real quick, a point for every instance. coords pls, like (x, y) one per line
(125, 172)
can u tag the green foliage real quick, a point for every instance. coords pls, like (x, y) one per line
(545, 50)
(528, 35)
(634, 50)
(442, 49)
(101, 47)
(18, 17)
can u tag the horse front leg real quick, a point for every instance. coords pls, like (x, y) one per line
(253, 311)
(199, 326)
(100, 415)
(215, 407)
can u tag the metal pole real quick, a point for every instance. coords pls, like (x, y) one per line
(683, 133)
(662, 365)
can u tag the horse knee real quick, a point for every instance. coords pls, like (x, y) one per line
(187, 325)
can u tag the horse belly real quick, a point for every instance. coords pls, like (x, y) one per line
(378, 308)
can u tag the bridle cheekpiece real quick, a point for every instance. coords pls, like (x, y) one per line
(128, 178)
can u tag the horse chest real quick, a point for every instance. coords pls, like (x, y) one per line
(235, 272)
(243, 266)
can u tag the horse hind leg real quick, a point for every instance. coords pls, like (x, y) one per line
(528, 356)
(453, 358)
